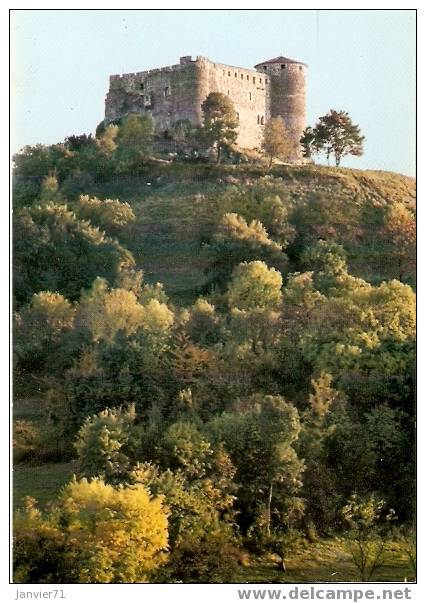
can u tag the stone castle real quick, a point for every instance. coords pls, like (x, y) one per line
(273, 88)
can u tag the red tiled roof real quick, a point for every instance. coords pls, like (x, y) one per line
(279, 60)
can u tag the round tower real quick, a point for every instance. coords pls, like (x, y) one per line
(287, 95)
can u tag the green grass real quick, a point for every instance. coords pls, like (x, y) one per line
(42, 482)
(175, 204)
(325, 561)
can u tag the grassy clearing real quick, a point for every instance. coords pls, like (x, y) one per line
(42, 482)
(175, 204)
(325, 561)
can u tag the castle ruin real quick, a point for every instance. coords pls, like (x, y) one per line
(276, 87)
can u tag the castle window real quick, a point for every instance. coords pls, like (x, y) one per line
(282, 66)
(242, 76)
(258, 119)
(262, 121)
(264, 67)
(236, 74)
(254, 80)
(229, 74)
(228, 92)
(141, 86)
(266, 81)
(249, 95)
(248, 77)
(300, 68)
(166, 91)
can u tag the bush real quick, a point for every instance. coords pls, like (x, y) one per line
(54, 250)
(25, 440)
(211, 559)
(102, 444)
(94, 533)
(111, 215)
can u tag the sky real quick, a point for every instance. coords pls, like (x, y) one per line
(360, 61)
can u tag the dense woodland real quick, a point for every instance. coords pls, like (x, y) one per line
(223, 354)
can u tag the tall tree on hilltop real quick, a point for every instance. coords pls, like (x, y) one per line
(276, 140)
(336, 134)
(220, 121)
(134, 139)
(307, 142)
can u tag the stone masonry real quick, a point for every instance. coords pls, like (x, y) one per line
(273, 88)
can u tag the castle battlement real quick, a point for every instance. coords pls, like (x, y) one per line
(276, 87)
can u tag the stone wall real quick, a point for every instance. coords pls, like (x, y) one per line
(167, 95)
(247, 89)
(288, 97)
(173, 93)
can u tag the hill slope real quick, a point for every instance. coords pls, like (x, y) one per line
(178, 205)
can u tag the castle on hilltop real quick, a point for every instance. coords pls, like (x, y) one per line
(273, 88)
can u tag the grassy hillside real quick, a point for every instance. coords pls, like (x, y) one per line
(291, 376)
(176, 204)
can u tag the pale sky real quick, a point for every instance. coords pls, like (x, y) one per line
(359, 61)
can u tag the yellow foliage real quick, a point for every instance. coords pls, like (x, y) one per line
(121, 532)
(53, 309)
(254, 285)
(105, 312)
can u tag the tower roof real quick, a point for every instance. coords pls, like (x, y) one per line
(280, 60)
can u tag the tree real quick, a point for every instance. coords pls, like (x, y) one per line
(184, 448)
(398, 241)
(276, 140)
(236, 241)
(263, 201)
(201, 537)
(103, 444)
(335, 133)
(254, 285)
(50, 190)
(112, 215)
(308, 142)
(39, 331)
(220, 121)
(77, 142)
(259, 440)
(122, 360)
(366, 537)
(55, 251)
(327, 260)
(107, 139)
(134, 140)
(94, 533)
(203, 325)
